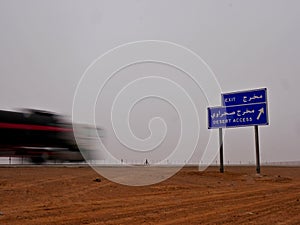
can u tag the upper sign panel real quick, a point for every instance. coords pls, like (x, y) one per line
(244, 97)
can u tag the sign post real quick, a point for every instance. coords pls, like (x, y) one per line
(221, 150)
(257, 149)
(240, 109)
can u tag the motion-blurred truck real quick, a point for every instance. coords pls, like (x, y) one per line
(37, 135)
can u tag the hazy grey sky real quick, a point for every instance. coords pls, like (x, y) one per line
(45, 46)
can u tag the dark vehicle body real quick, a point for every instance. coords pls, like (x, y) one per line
(37, 135)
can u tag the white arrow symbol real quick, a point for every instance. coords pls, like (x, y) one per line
(261, 111)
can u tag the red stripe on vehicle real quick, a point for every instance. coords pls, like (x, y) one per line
(32, 127)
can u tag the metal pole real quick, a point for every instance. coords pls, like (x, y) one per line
(257, 149)
(221, 150)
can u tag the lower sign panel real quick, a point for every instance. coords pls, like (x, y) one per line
(237, 116)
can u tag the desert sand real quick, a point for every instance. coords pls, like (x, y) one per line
(79, 195)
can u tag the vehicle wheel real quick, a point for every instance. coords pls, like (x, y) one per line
(39, 159)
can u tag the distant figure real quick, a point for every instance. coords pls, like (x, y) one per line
(146, 162)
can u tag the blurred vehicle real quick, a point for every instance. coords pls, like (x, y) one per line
(90, 140)
(37, 135)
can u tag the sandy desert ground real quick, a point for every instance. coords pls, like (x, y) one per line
(70, 195)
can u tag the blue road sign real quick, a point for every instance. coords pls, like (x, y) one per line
(237, 116)
(244, 97)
